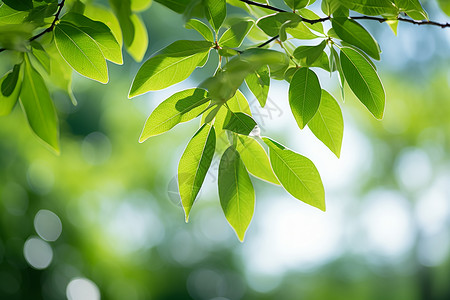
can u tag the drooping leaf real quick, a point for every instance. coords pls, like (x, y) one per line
(297, 174)
(139, 45)
(234, 35)
(255, 159)
(309, 53)
(353, 33)
(178, 108)
(328, 124)
(236, 193)
(201, 28)
(81, 52)
(371, 7)
(41, 55)
(363, 81)
(304, 95)
(122, 10)
(171, 65)
(239, 122)
(99, 13)
(38, 107)
(100, 33)
(215, 11)
(339, 69)
(194, 165)
(259, 82)
(10, 85)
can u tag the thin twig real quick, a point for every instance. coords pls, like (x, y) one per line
(268, 42)
(49, 29)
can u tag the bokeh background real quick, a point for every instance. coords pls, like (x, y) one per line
(102, 220)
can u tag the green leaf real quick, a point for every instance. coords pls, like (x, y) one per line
(353, 33)
(140, 5)
(178, 108)
(239, 123)
(100, 33)
(81, 52)
(304, 95)
(234, 35)
(255, 159)
(171, 65)
(271, 24)
(309, 53)
(38, 107)
(215, 11)
(10, 85)
(201, 28)
(330, 6)
(393, 24)
(139, 45)
(309, 14)
(328, 124)
(371, 7)
(178, 6)
(122, 10)
(236, 193)
(337, 61)
(40, 55)
(16, 37)
(412, 8)
(363, 80)
(41, 11)
(11, 16)
(259, 82)
(21, 5)
(302, 32)
(445, 6)
(297, 174)
(99, 13)
(296, 4)
(194, 165)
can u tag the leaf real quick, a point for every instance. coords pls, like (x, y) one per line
(363, 80)
(445, 6)
(330, 6)
(296, 4)
(16, 37)
(309, 14)
(412, 8)
(393, 24)
(302, 32)
(328, 124)
(10, 85)
(236, 193)
(271, 24)
(255, 159)
(194, 165)
(309, 53)
(21, 5)
(171, 65)
(297, 174)
(178, 6)
(178, 108)
(41, 55)
(259, 82)
(139, 45)
(201, 28)
(100, 33)
(339, 68)
(215, 11)
(239, 123)
(122, 10)
(234, 35)
(371, 7)
(81, 52)
(353, 33)
(38, 107)
(99, 13)
(11, 16)
(140, 5)
(304, 95)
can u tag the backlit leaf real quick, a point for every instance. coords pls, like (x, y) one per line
(215, 11)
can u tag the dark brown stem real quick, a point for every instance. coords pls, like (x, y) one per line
(49, 29)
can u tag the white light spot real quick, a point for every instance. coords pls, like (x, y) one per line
(38, 253)
(413, 169)
(82, 289)
(47, 225)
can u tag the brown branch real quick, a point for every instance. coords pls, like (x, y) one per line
(49, 29)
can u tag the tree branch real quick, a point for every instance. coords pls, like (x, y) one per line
(379, 19)
(49, 29)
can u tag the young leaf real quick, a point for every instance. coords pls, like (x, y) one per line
(81, 52)
(255, 159)
(363, 80)
(239, 123)
(304, 95)
(297, 174)
(353, 33)
(258, 83)
(100, 33)
(234, 35)
(171, 65)
(178, 108)
(236, 193)
(328, 124)
(201, 28)
(194, 165)
(215, 11)
(139, 45)
(309, 53)
(10, 85)
(38, 107)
